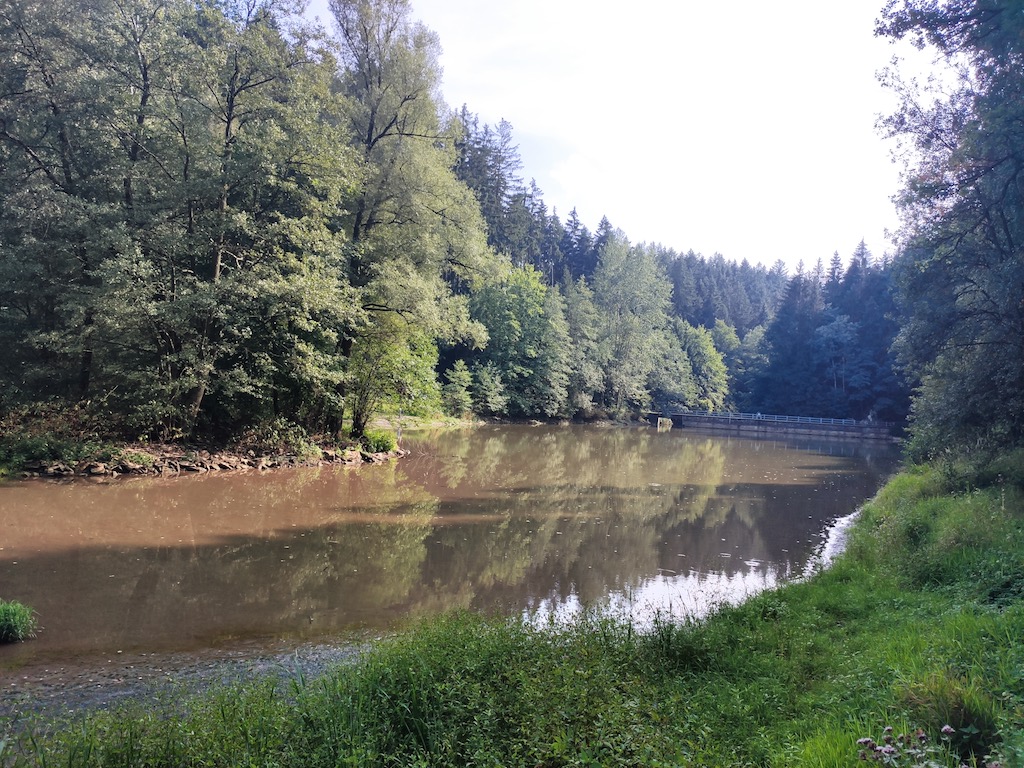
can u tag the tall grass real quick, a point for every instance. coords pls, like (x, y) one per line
(17, 622)
(916, 627)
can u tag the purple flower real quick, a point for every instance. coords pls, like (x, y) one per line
(888, 749)
(948, 730)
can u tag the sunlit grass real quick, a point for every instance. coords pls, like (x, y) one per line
(917, 626)
(17, 622)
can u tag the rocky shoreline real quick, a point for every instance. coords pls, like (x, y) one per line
(174, 461)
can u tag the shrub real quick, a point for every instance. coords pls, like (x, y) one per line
(53, 432)
(378, 441)
(279, 436)
(17, 622)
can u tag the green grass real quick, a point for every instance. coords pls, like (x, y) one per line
(17, 622)
(917, 626)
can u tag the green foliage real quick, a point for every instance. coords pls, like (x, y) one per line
(915, 750)
(277, 437)
(708, 367)
(17, 622)
(214, 216)
(53, 433)
(586, 377)
(455, 393)
(632, 296)
(961, 279)
(378, 441)
(828, 346)
(528, 341)
(393, 362)
(488, 390)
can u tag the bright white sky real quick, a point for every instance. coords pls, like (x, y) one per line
(744, 128)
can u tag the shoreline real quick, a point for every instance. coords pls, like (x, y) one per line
(52, 692)
(173, 461)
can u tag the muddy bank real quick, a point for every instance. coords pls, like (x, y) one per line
(173, 461)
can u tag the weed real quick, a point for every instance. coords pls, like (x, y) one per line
(914, 750)
(17, 622)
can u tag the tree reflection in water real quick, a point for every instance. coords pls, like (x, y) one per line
(510, 518)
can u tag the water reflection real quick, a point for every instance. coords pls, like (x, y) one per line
(505, 518)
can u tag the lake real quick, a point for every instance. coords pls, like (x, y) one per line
(513, 519)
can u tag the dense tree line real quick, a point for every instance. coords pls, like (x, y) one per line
(217, 217)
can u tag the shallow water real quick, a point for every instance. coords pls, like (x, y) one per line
(540, 519)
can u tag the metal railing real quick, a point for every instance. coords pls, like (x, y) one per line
(772, 417)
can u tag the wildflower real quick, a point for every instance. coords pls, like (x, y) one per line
(888, 749)
(948, 730)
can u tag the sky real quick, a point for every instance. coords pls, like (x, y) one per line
(745, 128)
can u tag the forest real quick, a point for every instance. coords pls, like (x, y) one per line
(219, 219)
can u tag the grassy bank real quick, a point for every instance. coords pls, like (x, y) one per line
(917, 626)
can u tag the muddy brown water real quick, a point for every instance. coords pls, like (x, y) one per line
(136, 581)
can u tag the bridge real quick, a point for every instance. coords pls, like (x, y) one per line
(774, 424)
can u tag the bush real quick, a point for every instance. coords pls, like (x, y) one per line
(17, 622)
(52, 432)
(279, 436)
(378, 441)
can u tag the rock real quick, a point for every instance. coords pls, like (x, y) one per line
(130, 467)
(97, 468)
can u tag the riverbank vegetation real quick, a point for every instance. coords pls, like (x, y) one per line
(214, 217)
(17, 622)
(217, 218)
(916, 626)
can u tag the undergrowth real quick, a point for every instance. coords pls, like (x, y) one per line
(915, 628)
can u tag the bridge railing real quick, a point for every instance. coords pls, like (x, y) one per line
(772, 417)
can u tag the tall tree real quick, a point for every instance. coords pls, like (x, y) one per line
(528, 341)
(961, 267)
(632, 295)
(414, 228)
(586, 376)
(173, 154)
(708, 368)
(787, 385)
(577, 247)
